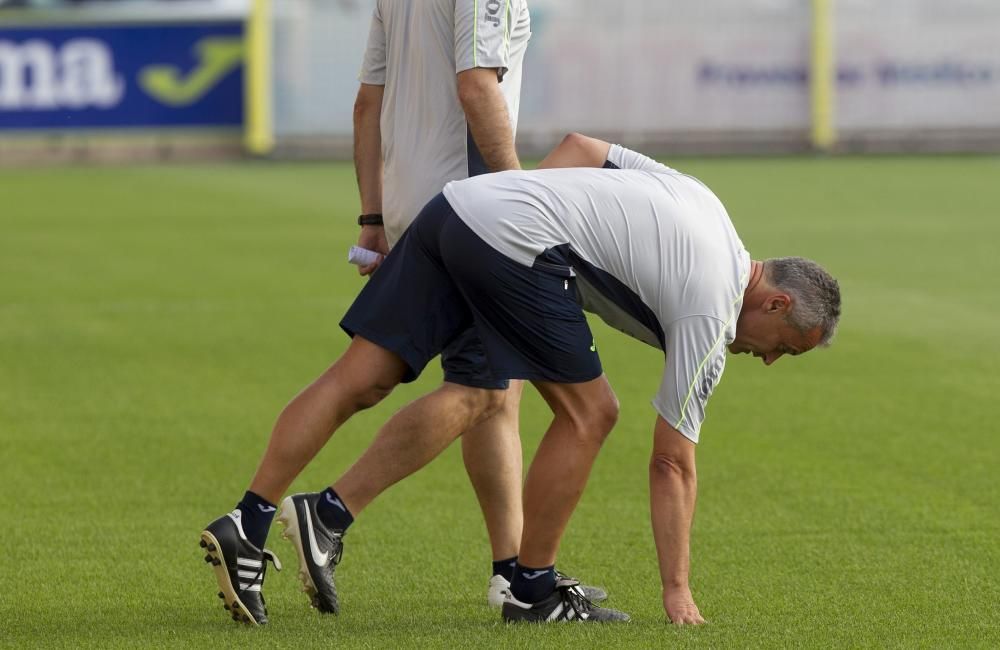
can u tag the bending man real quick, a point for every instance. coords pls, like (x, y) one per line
(519, 256)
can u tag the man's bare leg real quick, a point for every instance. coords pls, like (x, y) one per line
(492, 454)
(412, 438)
(584, 414)
(234, 543)
(316, 523)
(363, 375)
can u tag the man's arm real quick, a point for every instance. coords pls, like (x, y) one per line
(577, 150)
(486, 112)
(673, 485)
(368, 166)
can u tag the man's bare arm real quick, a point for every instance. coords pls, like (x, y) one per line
(368, 146)
(486, 112)
(368, 166)
(577, 150)
(673, 486)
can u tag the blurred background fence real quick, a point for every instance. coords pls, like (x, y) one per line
(164, 78)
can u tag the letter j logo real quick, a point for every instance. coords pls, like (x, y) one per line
(217, 57)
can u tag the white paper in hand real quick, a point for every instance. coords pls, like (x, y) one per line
(362, 256)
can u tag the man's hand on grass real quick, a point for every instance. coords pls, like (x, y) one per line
(680, 607)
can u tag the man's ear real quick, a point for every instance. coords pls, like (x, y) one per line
(779, 303)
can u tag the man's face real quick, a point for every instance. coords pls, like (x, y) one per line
(764, 332)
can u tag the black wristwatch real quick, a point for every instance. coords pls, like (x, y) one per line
(370, 220)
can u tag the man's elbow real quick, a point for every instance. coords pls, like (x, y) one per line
(367, 106)
(574, 142)
(475, 88)
(363, 109)
(578, 150)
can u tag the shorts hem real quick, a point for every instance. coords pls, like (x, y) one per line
(474, 382)
(538, 376)
(414, 366)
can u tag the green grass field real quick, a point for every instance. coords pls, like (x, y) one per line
(155, 320)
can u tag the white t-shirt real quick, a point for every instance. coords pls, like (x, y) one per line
(415, 49)
(654, 252)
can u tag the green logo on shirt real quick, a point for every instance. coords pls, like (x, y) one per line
(593, 345)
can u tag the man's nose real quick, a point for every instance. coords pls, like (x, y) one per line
(771, 357)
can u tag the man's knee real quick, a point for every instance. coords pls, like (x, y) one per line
(488, 402)
(479, 403)
(595, 419)
(368, 396)
(606, 414)
(366, 373)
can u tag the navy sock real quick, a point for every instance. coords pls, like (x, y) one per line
(332, 511)
(256, 516)
(531, 585)
(505, 568)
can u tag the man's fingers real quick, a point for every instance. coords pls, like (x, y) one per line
(686, 617)
(370, 268)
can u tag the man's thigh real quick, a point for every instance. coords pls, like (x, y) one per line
(466, 363)
(529, 321)
(411, 306)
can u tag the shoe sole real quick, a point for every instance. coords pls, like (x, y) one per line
(231, 602)
(542, 621)
(289, 519)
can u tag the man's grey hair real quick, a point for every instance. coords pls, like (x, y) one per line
(815, 294)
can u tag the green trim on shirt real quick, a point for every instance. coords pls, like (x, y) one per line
(506, 31)
(707, 356)
(475, 34)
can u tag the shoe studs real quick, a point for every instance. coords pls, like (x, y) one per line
(237, 614)
(213, 556)
(210, 548)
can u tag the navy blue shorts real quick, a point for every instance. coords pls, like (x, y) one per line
(442, 288)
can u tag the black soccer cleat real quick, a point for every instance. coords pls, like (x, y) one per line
(499, 590)
(318, 547)
(591, 593)
(564, 604)
(239, 568)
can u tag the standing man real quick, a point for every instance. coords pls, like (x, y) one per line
(439, 96)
